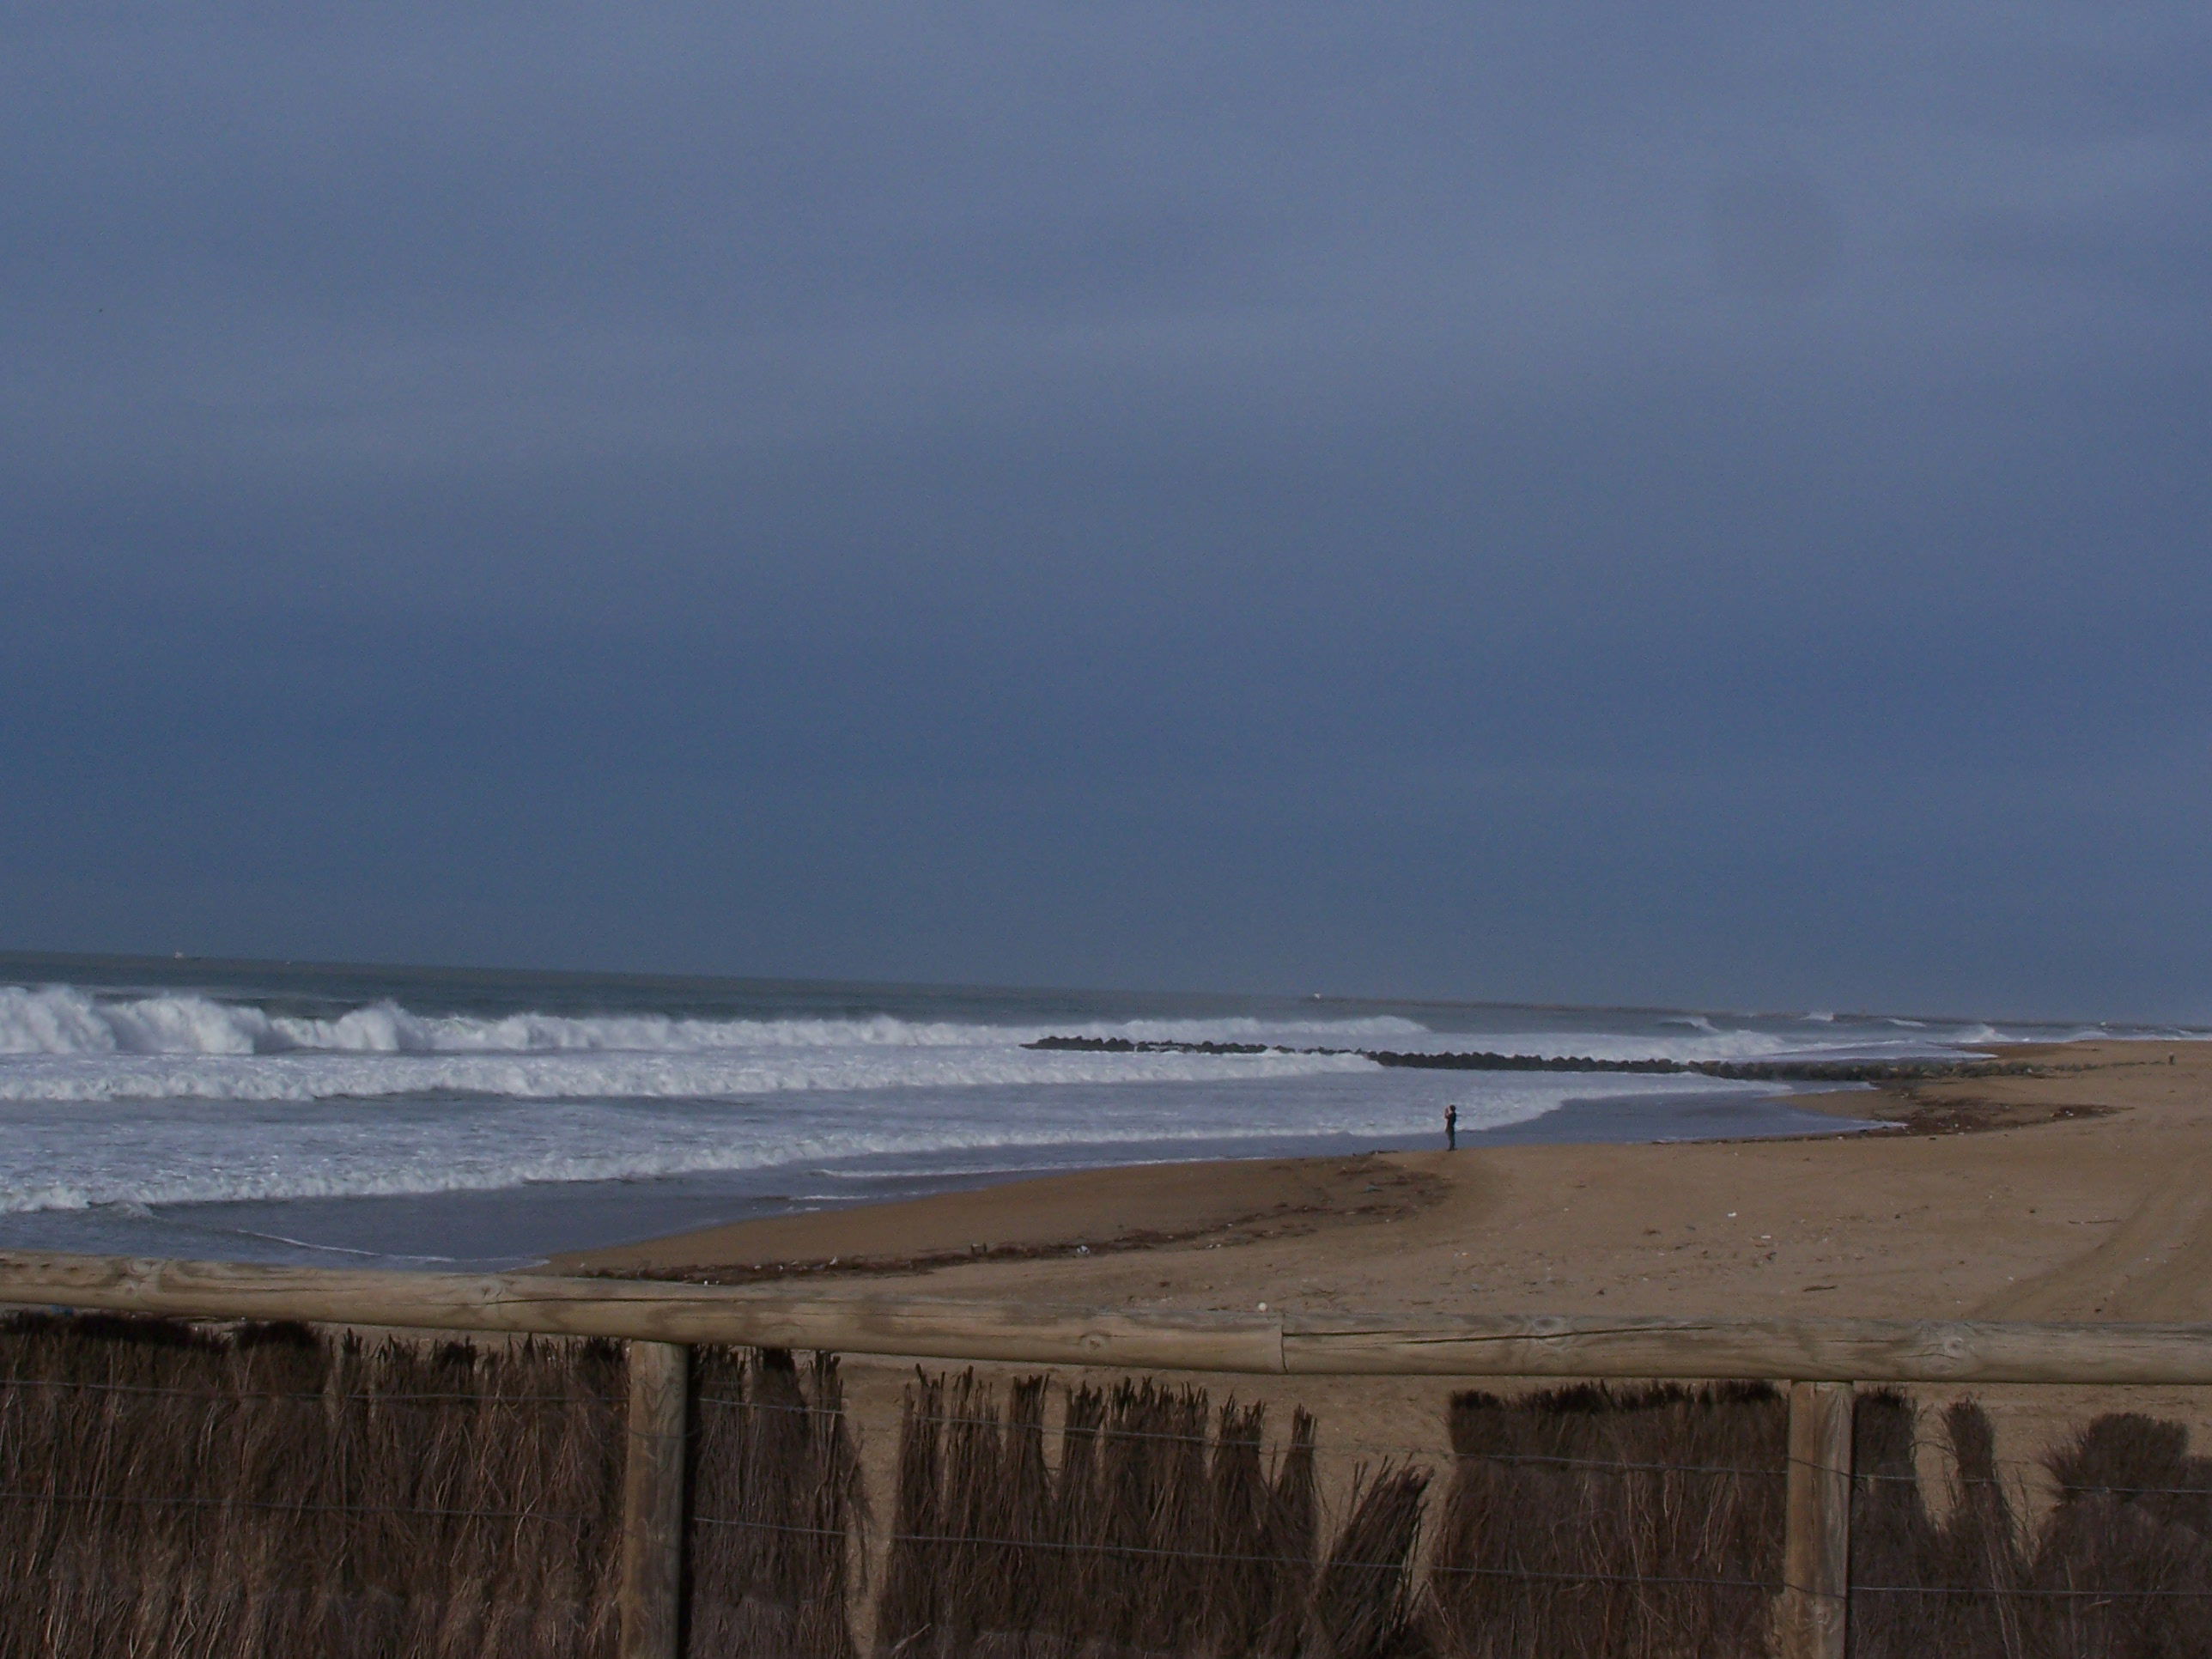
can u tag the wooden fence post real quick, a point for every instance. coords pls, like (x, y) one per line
(652, 1583)
(1814, 1613)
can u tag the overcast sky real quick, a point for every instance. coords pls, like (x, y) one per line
(1593, 502)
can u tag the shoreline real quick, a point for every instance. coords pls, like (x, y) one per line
(2082, 1189)
(1163, 1192)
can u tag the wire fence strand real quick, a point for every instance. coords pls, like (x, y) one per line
(1061, 1546)
(1348, 1448)
(224, 1396)
(1445, 1568)
(179, 1502)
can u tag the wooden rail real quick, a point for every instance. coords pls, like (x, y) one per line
(934, 1327)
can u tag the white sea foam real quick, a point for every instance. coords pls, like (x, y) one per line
(59, 1043)
(117, 1154)
(620, 1076)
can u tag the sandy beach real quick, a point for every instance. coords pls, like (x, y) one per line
(2083, 1191)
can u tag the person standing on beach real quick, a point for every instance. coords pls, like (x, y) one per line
(1451, 1128)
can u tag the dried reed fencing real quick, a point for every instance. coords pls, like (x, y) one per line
(266, 1492)
(646, 1471)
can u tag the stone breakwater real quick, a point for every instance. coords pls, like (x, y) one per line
(1779, 1071)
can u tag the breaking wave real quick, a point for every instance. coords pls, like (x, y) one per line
(62, 1042)
(65, 1020)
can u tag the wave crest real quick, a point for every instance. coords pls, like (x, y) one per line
(65, 1020)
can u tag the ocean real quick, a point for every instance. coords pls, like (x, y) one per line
(476, 1119)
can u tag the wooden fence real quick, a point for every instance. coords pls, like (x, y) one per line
(1819, 1359)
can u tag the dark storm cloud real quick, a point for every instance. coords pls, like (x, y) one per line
(1589, 505)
